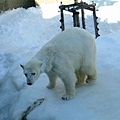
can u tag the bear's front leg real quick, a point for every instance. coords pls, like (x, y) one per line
(69, 79)
(69, 83)
(52, 78)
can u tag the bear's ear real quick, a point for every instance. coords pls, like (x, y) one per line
(22, 66)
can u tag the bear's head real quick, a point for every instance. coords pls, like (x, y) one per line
(32, 70)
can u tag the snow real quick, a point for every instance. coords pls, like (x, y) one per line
(23, 33)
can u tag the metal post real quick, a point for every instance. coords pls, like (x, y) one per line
(83, 19)
(76, 19)
(95, 23)
(62, 19)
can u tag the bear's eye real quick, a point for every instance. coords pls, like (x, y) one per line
(25, 74)
(33, 73)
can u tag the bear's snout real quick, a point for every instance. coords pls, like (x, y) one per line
(29, 83)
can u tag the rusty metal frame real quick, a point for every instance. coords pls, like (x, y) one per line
(73, 8)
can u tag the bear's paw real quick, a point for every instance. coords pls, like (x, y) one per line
(49, 86)
(67, 97)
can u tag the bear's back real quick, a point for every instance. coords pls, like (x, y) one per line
(71, 39)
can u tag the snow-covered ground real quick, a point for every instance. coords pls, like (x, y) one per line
(23, 32)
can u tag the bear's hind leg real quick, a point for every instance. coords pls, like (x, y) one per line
(80, 78)
(52, 78)
(91, 75)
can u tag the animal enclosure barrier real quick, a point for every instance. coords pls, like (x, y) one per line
(73, 8)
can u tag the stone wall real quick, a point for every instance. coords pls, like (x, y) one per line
(10, 4)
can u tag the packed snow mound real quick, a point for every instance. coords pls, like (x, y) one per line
(6, 61)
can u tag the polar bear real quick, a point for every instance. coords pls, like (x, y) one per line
(71, 56)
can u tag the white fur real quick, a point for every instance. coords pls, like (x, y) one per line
(71, 55)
